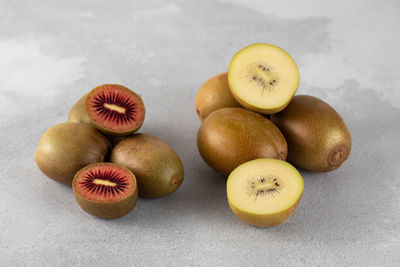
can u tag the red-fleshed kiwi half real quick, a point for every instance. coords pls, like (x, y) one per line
(66, 148)
(115, 109)
(105, 190)
(158, 169)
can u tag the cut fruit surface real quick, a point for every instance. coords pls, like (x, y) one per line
(263, 78)
(114, 109)
(104, 182)
(105, 190)
(264, 192)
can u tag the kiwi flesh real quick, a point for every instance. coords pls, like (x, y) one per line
(318, 138)
(112, 108)
(213, 95)
(105, 190)
(67, 147)
(264, 192)
(158, 169)
(229, 137)
(263, 78)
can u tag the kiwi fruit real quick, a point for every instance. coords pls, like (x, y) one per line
(264, 192)
(105, 190)
(78, 113)
(116, 139)
(213, 95)
(318, 138)
(229, 137)
(263, 78)
(158, 169)
(67, 147)
(111, 108)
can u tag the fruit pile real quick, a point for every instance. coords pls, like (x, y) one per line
(101, 127)
(252, 123)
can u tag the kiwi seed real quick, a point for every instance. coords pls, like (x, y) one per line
(263, 76)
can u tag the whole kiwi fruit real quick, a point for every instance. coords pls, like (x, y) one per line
(229, 137)
(318, 138)
(67, 147)
(78, 113)
(158, 169)
(214, 94)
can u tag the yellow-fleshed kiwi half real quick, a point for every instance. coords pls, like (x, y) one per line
(264, 192)
(67, 147)
(263, 78)
(213, 95)
(318, 138)
(105, 190)
(229, 137)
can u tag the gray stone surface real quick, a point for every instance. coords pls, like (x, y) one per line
(52, 52)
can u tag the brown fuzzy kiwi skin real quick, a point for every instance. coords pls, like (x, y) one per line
(318, 138)
(214, 94)
(229, 137)
(158, 169)
(67, 147)
(114, 140)
(267, 220)
(111, 210)
(78, 112)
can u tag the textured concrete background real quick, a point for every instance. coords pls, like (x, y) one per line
(52, 52)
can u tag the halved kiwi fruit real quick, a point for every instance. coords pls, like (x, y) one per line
(229, 137)
(213, 95)
(318, 138)
(263, 78)
(111, 108)
(67, 147)
(264, 192)
(158, 169)
(105, 190)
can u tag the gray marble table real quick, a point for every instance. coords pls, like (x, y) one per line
(52, 52)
